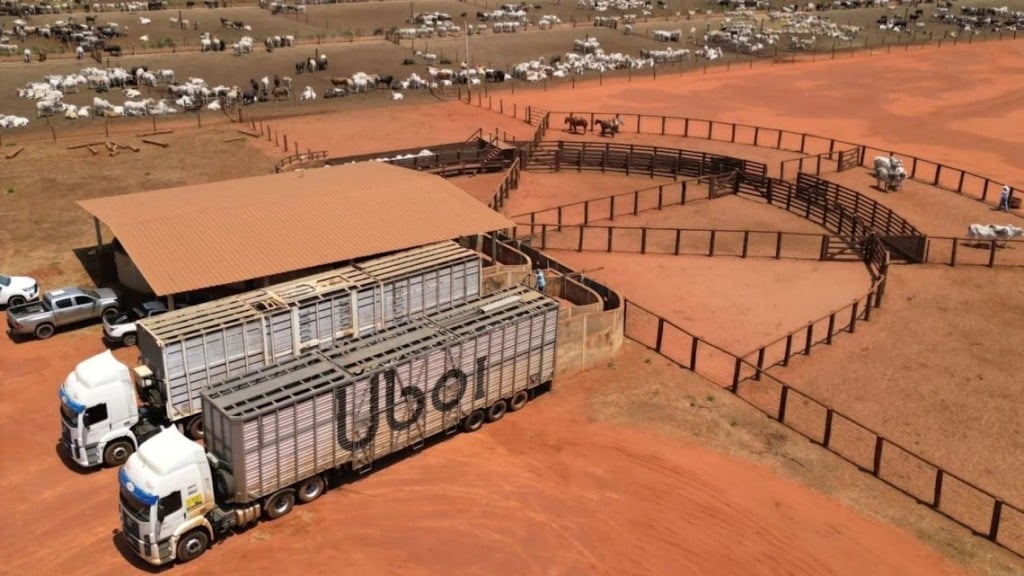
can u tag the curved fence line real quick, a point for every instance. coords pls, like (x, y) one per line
(945, 492)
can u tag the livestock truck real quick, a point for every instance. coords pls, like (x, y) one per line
(108, 410)
(274, 436)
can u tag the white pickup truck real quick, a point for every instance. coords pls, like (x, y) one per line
(17, 290)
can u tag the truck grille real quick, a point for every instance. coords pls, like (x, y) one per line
(131, 528)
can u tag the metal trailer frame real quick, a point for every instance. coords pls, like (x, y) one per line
(371, 397)
(190, 348)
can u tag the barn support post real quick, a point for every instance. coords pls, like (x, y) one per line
(99, 243)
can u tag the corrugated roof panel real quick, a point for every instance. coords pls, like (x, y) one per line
(218, 233)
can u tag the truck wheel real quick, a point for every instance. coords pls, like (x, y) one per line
(192, 545)
(130, 339)
(15, 301)
(311, 488)
(109, 313)
(279, 504)
(44, 331)
(518, 400)
(117, 452)
(496, 411)
(194, 427)
(474, 421)
(224, 485)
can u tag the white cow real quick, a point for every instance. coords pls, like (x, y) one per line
(997, 232)
(890, 169)
(307, 94)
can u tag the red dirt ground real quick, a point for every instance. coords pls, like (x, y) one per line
(556, 489)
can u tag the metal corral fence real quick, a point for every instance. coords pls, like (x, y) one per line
(973, 252)
(813, 146)
(928, 483)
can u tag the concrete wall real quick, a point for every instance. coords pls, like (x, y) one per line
(588, 335)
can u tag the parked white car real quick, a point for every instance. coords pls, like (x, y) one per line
(121, 329)
(17, 290)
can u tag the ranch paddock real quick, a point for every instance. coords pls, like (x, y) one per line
(649, 443)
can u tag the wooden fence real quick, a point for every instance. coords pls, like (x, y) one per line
(708, 242)
(508, 183)
(945, 492)
(973, 252)
(817, 164)
(638, 159)
(300, 158)
(963, 182)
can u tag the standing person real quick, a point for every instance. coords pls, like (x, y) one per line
(1004, 199)
(541, 281)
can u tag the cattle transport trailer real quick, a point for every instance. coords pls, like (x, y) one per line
(184, 351)
(274, 434)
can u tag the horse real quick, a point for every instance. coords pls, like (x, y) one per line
(610, 127)
(576, 121)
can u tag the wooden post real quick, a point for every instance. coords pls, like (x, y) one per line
(877, 465)
(789, 349)
(827, 436)
(783, 398)
(693, 353)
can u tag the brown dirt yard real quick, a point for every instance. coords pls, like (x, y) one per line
(634, 467)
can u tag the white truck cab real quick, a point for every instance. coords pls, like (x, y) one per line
(98, 410)
(166, 491)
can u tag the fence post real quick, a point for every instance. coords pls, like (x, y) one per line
(693, 353)
(746, 242)
(579, 245)
(827, 437)
(711, 245)
(559, 229)
(853, 316)
(937, 494)
(543, 236)
(789, 349)
(760, 364)
(992, 253)
(823, 251)
(736, 376)
(661, 333)
(611, 208)
(610, 230)
(877, 464)
(661, 189)
(636, 202)
(783, 398)
(831, 328)
(778, 245)
(643, 240)
(952, 255)
(682, 194)
(678, 235)
(809, 340)
(867, 306)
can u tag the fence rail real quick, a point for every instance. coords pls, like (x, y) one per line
(928, 483)
(299, 158)
(973, 252)
(958, 180)
(508, 183)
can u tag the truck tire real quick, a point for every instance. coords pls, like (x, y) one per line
(15, 301)
(224, 485)
(109, 313)
(194, 427)
(518, 400)
(496, 411)
(311, 488)
(130, 339)
(44, 331)
(117, 452)
(192, 545)
(474, 421)
(279, 504)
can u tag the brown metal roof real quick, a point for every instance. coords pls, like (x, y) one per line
(218, 233)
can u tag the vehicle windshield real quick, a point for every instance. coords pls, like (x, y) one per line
(138, 313)
(92, 293)
(5, 280)
(69, 416)
(137, 508)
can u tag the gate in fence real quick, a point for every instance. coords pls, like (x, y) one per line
(849, 159)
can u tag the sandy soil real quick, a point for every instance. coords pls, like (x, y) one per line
(586, 481)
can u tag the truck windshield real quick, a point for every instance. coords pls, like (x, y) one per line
(137, 508)
(69, 416)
